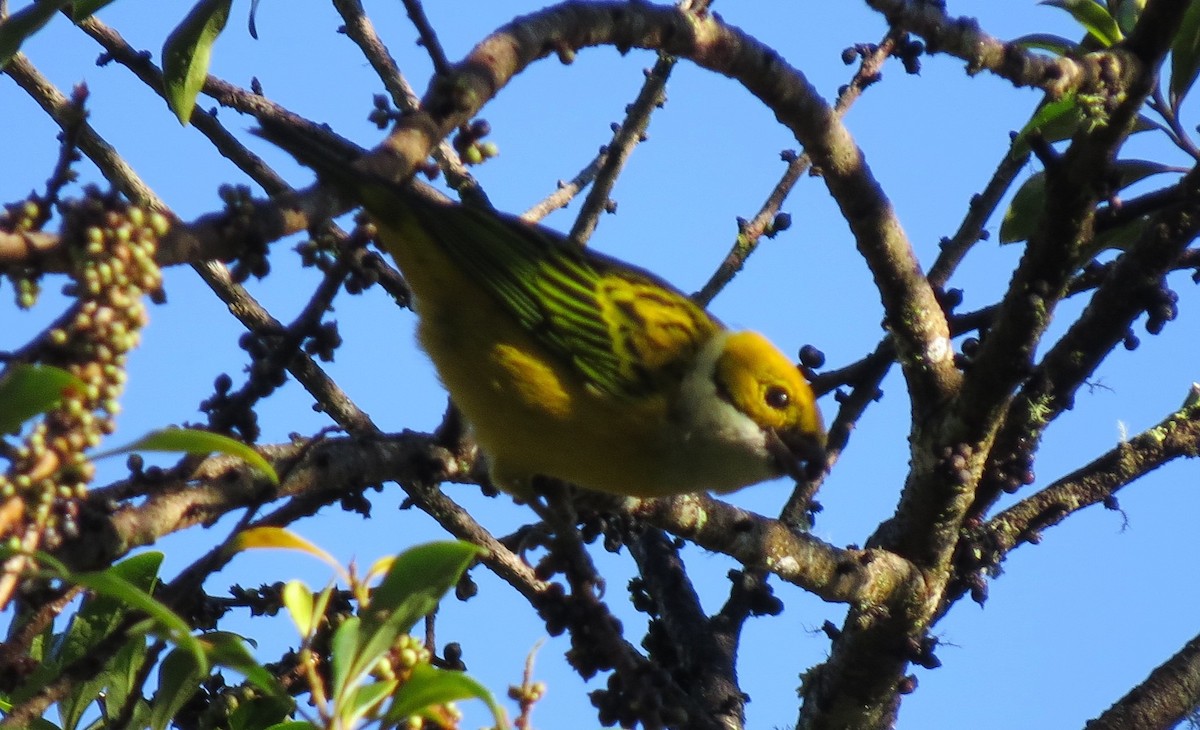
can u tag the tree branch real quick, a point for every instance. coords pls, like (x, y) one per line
(962, 37)
(1175, 436)
(868, 577)
(1164, 699)
(1114, 306)
(701, 652)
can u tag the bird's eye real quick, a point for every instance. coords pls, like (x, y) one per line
(777, 397)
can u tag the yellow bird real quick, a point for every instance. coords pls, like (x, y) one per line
(570, 364)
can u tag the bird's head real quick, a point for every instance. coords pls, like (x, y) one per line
(760, 382)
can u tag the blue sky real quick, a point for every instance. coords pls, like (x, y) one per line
(1069, 627)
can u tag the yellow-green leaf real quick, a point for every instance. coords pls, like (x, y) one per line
(23, 23)
(379, 567)
(305, 608)
(195, 441)
(187, 52)
(363, 699)
(27, 390)
(282, 539)
(298, 600)
(1093, 16)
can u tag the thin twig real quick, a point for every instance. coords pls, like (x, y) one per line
(1177, 435)
(429, 39)
(751, 232)
(567, 190)
(360, 30)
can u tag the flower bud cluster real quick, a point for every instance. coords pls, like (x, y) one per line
(25, 216)
(112, 268)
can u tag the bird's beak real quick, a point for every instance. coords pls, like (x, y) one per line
(799, 454)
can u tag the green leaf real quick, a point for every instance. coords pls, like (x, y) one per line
(83, 9)
(1025, 212)
(24, 23)
(293, 725)
(114, 683)
(1185, 55)
(141, 570)
(97, 618)
(1055, 120)
(380, 631)
(344, 653)
(122, 678)
(1055, 44)
(1093, 16)
(229, 650)
(1119, 237)
(27, 390)
(100, 614)
(196, 441)
(430, 570)
(428, 685)
(1130, 171)
(114, 585)
(187, 53)
(261, 712)
(1126, 13)
(179, 676)
(415, 582)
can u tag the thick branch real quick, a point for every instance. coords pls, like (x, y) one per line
(848, 576)
(219, 485)
(962, 37)
(1168, 695)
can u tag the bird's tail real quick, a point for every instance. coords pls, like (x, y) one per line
(333, 157)
(359, 177)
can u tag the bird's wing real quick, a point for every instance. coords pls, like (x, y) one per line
(623, 328)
